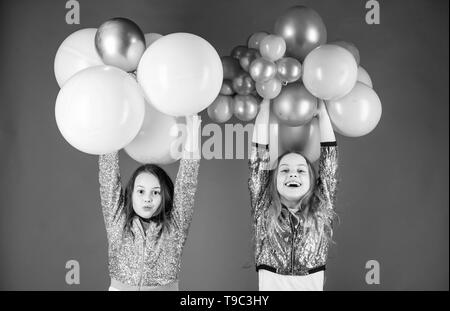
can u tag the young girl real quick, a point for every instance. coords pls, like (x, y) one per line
(147, 224)
(292, 210)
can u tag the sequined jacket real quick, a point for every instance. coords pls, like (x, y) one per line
(291, 252)
(148, 259)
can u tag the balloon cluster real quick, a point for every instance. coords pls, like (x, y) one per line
(121, 88)
(296, 68)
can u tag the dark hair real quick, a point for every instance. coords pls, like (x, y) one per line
(163, 214)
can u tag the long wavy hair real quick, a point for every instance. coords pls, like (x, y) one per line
(317, 217)
(162, 214)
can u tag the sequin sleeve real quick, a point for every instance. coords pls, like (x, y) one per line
(328, 169)
(258, 181)
(184, 193)
(110, 187)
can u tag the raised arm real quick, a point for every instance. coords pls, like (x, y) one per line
(259, 160)
(186, 182)
(328, 162)
(110, 187)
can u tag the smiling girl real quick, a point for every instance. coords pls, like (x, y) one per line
(147, 224)
(292, 209)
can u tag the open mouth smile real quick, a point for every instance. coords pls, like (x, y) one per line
(292, 184)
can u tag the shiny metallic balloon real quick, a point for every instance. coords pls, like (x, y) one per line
(120, 43)
(262, 69)
(238, 51)
(231, 67)
(221, 109)
(303, 29)
(254, 40)
(272, 47)
(289, 69)
(350, 47)
(295, 106)
(243, 84)
(269, 89)
(249, 56)
(245, 107)
(227, 88)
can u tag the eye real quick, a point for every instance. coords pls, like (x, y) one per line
(140, 191)
(301, 171)
(155, 192)
(284, 170)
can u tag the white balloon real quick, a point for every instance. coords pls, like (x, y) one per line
(151, 37)
(364, 77)
(100, 110)
(159, 140)
(181, 74)
(76, 52)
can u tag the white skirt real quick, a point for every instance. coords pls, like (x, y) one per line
(270, 281)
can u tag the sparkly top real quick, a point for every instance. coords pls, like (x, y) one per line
(148, 259)
(291, 251)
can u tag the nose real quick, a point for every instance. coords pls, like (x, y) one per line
(293, 174)
(148, 200)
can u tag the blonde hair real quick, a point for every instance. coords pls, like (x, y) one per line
(315, 213)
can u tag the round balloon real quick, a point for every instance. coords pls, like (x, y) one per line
(302, 29)
(269, 89)
(357, 113)
(272, 47)
(100, 110)
(120, 43)
(329, 72)
(304, 139)
(294, 106)
(159, 140)
(262, 69)
(245, 107)
(289, 69)
(238, 51)
(181, 74)
(76, 52)
(255, 39)
(151, 37)
(221, 109)
(231, 67)
(248, 57)
(364, 77)
(349, 47)
(227, 88)
(243, 84)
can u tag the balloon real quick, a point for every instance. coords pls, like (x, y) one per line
(158, 140)
(294, 106)
(255, 39)
(302, 29)
(181, 74)
(121, 43)
(231, 67)
(243, 84)
(76, 52)
(100, 110)
(151, 37)
(262, 69)
(249, 56)
(329, 72)
(245, 107)
(357, 113)
(227, 88)
(269, 89)
(364, 77)
(238, 51)
(304, 139)
(272, 47)
(289, 69)
(221, 109)
(349, 47)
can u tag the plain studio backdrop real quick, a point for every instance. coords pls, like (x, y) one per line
(393, 192)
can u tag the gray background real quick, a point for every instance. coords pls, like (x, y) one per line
(393, 195)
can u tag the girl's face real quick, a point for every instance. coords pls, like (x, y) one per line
(293, 177)
(146, 195)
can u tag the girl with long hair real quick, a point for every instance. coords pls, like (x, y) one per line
(147, 222)
(292, 209)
